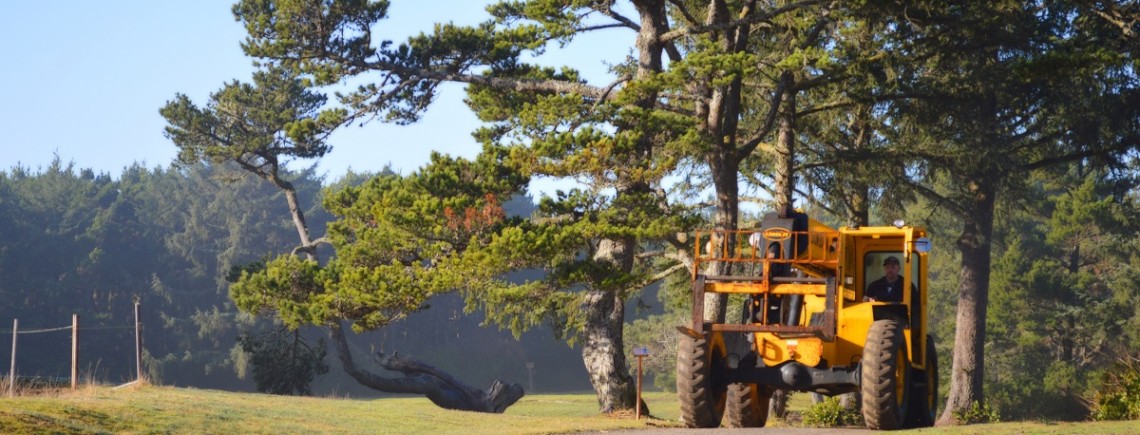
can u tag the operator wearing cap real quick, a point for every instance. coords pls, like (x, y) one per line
(889, 287)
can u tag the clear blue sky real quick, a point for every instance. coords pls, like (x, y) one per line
(84, 80)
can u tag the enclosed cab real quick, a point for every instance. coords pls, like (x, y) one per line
(808, 323)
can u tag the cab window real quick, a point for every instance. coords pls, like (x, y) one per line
(873, 265)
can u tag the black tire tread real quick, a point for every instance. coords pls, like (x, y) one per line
(747, 406)
(699, 407)
(881, 409)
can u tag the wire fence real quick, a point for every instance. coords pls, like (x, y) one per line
(13, 379)
(37, 331)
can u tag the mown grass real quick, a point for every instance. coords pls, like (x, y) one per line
(153, 409)
(149, 409)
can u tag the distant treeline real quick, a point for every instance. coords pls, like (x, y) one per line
(73, 241)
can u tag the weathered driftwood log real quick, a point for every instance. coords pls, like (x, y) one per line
(420, 378)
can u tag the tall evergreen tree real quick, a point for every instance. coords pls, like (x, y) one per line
(995, 91)
(1062, 265)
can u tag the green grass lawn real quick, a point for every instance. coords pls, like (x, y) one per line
(153, 409)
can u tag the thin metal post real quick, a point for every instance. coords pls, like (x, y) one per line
(74, 351)
(138, 345)
(12, 369)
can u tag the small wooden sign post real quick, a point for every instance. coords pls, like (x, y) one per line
(640, 353)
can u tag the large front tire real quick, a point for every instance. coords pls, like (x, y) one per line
(747, 405)
(886, 376)
(701, 395)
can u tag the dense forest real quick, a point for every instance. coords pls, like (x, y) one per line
(1010, 129)
(76, 242)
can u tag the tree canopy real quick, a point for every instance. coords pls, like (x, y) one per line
(953, 103)
(1007, 128)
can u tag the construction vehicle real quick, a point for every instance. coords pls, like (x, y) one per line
(806, 325)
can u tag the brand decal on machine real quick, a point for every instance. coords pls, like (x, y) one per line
(777, 233)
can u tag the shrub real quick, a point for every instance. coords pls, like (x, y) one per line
(1030, 390)
(978, 412)
(1118, 396)
(283, 362)
(831, 413)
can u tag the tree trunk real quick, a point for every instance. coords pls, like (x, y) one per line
(856, 191)
(603, 349)
(307, 247)
(295, 211)
(724, 171)
(786, 152)
(967, 375)
(858, 207)
(298, 216)
(722, 116)
(419, 378)
(603, 352)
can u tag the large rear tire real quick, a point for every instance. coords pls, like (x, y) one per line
(747, 405)
(702, 396)
(886, 376)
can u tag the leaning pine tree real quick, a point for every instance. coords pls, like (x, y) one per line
(374, 278)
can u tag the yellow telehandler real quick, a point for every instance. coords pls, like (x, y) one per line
(808, 323)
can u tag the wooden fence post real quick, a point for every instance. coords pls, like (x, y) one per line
(74, 351)
(138, 346)
(12, 369)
